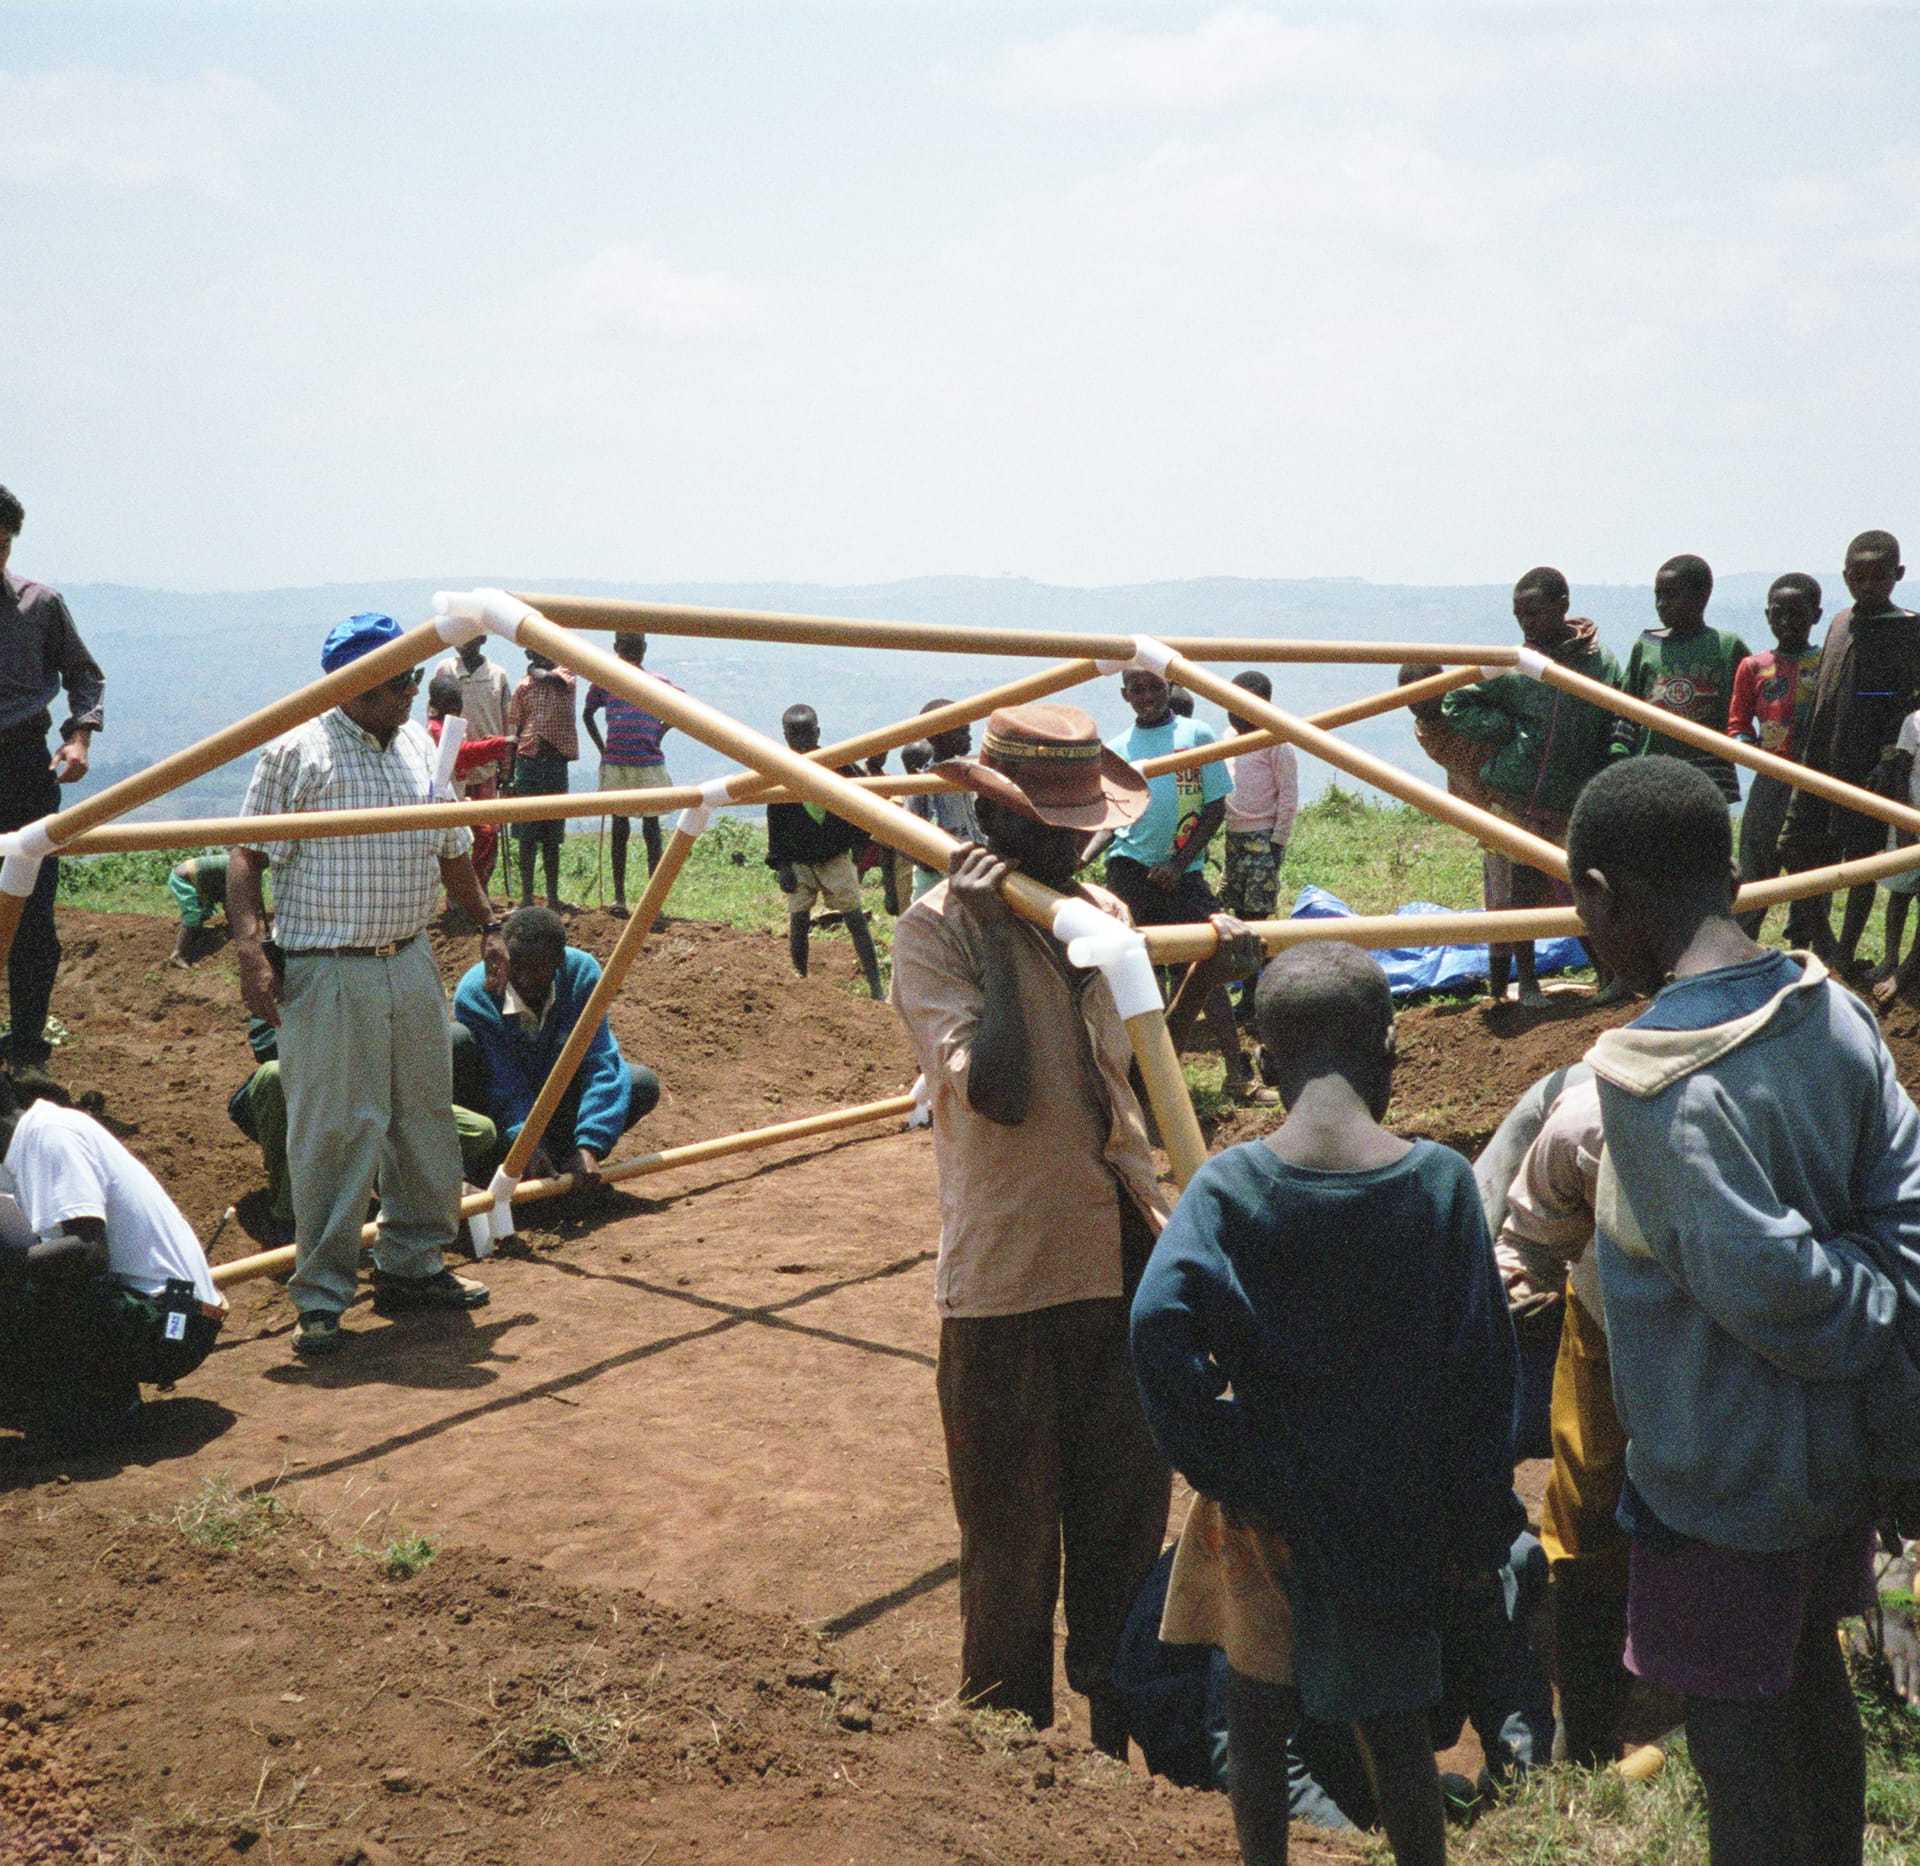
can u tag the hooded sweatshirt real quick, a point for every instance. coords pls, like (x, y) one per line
(1547, 743)
(1758, 1228)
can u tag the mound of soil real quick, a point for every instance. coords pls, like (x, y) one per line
(288, 1696)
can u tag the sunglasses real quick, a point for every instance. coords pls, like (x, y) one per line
(404, 683)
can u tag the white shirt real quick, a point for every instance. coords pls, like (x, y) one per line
(65, 1165)
(351, 890)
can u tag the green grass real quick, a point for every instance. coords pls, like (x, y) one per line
(1571, 1817)
(220, 1518)
(403, 1557)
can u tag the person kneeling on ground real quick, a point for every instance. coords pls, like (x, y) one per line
(516, 1018)
(258, 1108)
(111, 1289)
(199, 889)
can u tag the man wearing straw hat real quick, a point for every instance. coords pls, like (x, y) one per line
(1049, 1205)
(365, 1056)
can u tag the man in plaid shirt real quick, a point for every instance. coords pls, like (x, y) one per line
(365, 1055)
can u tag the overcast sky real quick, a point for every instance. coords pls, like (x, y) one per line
(850, 292)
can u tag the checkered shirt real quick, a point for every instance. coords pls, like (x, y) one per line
(543, 709)
(351, 890)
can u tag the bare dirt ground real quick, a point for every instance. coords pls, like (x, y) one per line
(693, 1597)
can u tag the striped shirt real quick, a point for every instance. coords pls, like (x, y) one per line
(351, 890)
(633, 734)
(542, 710)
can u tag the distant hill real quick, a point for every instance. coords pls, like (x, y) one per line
(179, 664)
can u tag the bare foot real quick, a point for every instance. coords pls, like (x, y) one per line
(1886, 991)
(1612, 992)
(1533, 997)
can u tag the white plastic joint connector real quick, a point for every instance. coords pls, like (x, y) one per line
(31, 839)
(480, 1233)
(1148, 652)
(922, 1114)
(453, 734)
(1532, 663)
(467, 614)
(1097, 939)
(713, 793)
(500, 1189)
(19, 873)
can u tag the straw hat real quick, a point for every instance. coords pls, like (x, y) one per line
(1047, 762)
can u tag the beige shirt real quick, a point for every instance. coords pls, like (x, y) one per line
(1550, 1206)
(1029, 1215)
(484, 693)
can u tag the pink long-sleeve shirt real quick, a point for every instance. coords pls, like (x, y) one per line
(1266, 793)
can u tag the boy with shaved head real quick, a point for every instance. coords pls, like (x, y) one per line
(1540, 745)
(1772, 698)
(1869, 682)
(1757, 1218)
(1684, 668)
(1324, 1351)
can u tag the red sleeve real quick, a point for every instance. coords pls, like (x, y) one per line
(1746, 679)
(477, 752)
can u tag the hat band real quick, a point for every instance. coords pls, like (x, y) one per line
(993, 745)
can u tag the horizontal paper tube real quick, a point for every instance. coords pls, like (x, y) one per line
(530, 1191)
(585, 612)
(306, 826)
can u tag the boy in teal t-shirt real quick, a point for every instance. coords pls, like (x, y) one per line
(1157, 863)
(1684, 668)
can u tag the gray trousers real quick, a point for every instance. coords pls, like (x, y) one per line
(367, 1066)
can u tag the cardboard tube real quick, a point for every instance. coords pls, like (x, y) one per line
(1495, 832)
(222, 831)
(581, 612)
(529, 1191)
(1350, 714)
(1183, 945)
(1735, 751)
(895, 827)
(613, 975)
(1642, 1764)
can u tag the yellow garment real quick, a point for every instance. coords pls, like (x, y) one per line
(1228, 1589)
(1589, 1450)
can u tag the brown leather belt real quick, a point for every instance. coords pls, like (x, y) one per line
(355, 952)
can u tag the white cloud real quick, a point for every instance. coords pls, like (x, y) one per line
(627, 292)
(1234, 55)
(121, 131)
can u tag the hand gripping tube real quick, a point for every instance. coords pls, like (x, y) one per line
(1097, 939)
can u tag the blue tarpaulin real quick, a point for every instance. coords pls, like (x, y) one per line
(1412, 969)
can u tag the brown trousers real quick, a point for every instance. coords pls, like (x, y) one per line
(1048, 1452)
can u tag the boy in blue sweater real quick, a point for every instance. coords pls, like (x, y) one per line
(1757, 1217)
(1324, 1351)
(517, 1022)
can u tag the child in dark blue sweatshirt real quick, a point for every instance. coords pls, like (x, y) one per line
(1324, 1351)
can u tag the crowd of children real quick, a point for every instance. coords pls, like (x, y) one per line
(1719, 1209)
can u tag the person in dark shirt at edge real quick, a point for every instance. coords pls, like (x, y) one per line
(810, 851)
(40, 654)
(1869, 682)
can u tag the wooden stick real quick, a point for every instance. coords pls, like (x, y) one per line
(613, 975)
(931, 847)
(529, 1191)
(1495, 832)
(223, 831)
(1735, 751)
(582, 612)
